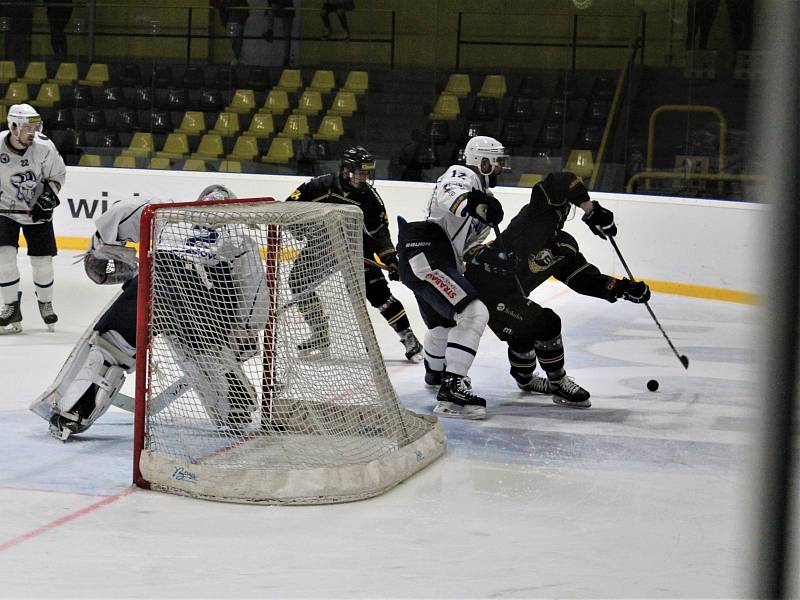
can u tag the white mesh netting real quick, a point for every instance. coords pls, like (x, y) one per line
(265, 382)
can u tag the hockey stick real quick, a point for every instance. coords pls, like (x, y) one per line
(6, 211)
(504, 253)
(681, 357)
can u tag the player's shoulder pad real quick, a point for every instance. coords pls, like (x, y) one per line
(42, 137)
(566, 241)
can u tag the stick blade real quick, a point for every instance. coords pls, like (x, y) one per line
(684, 361)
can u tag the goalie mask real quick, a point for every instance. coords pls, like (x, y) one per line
(488, 157)
(24, 123)
(216, 192)
(357, 167)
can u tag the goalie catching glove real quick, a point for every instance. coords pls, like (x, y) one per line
(110, 264)
(45, 204)
(484, 207)
(493, 260)
(627, 289)
(600, 220)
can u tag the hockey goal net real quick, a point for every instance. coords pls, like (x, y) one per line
(259, 378)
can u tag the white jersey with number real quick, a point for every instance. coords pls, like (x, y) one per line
(201, 247)
(447, 208)
(22, 174)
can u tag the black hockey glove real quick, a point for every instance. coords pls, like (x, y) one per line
(600, 220)
(632, 291)
(484, 207)
(392, 266)
(494, 261)
(45, 204)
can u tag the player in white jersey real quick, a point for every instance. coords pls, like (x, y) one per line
(432, 252)
(212, 267)
(31, 174)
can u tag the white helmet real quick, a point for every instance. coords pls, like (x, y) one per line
(24, 114)
(483, 146)
(216, 191)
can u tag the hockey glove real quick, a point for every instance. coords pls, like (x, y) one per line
(392, 266)
(494, 261)
(600, 220)
(632, 291)
(484, 207)
(45, 204)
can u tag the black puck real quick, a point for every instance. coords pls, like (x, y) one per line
(652, 385)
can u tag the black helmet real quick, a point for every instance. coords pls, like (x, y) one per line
(357, 159)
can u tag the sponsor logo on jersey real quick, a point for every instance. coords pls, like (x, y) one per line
(443, 284)
(504, 309)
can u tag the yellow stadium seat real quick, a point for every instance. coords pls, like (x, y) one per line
(261, 126)
(194, 164)
(193, 123)
(97, 75)
(67, 74)
(48, 95)
(529, 179)
(277, 102)
(8, 71)
(245, 148)
(16, 92)
(230, 166)
(323, 82)
(580, 162)
(243, 101)
(280, 151)
(296, 127)
(357, 82)
(344, 104)
(458, 85)
(159, 163)
(290, 80)
(3, 116)
(446, 108)
(35, 73)
(227, 124)
(310, 103)
(124, 162)
(141, 145)
(90, 160)
(494, 86)
(210, 147)
(175, 146)
(330, 129)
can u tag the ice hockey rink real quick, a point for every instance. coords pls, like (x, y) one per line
(644, 495)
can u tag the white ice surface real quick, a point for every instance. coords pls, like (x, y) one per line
(643, 495)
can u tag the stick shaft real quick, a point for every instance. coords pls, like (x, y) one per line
(646, 305)
(6, 211)
(503, 249)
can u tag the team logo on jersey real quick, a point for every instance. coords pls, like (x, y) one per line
(4, 158)
(25, 184)
(543, 260)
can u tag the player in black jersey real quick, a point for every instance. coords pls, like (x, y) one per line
(543, 249)
(353, 186)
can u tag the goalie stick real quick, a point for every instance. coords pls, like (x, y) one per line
(681, 357)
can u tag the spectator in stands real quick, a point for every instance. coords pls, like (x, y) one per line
(700, 16)
(58, 17)
(340, 7)
(284, 10)
(233, 14)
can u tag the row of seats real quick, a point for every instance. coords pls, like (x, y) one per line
(192, 77)
(530, 86)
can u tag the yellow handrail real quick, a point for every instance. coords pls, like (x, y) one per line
(720, 177)
(723, 130)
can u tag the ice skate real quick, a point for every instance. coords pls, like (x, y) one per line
(317, 346)
(456, 400)
(433, 378)
(11, 317)
(568, 393)
(534, 383)
(48, 316)
(412, 345)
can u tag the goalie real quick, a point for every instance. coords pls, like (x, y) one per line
(206, 269)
